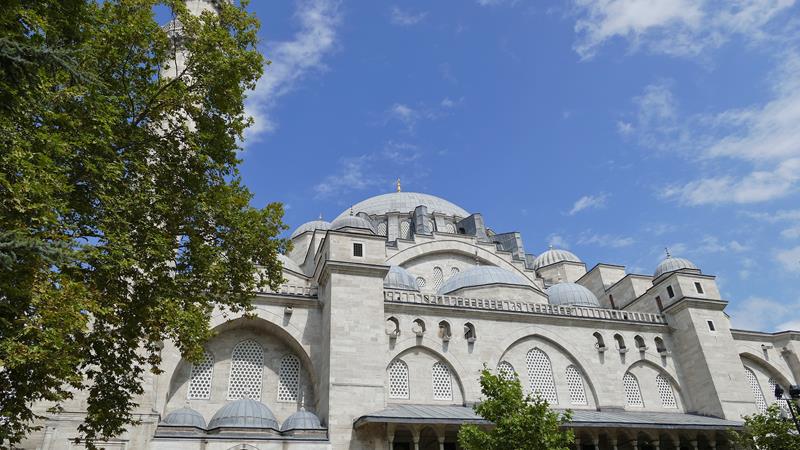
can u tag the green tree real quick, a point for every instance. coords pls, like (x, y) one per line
(123, 219)
(768, 431)
(520, 421)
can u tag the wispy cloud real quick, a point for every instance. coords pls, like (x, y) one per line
(291, 61)
(712, 244)
(409, 115)
(605, 240)
(748, 314)
(406, 18)
(557, 241)
(589, 202)
(789, 259)
(674, 27)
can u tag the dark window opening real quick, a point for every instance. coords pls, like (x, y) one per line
(711, 325)
(611, 299)
(698, 287)
(358, 249)
(670, 292)
(660, 305)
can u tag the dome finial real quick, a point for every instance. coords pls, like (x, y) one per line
(550, 246)
(351, 210)
(666, 250)
(320, 216)
(398, 185)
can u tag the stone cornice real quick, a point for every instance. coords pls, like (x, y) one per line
(349, 267)
(694, 302)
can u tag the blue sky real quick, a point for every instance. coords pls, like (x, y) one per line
(613, 128)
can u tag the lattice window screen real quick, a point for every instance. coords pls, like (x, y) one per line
(633, 395)
(381, 229)
(577, 392)
(421, 282)
(430, 225)
(450, 228)
(761, 403)
(405, 229)
(247, 365)
(540, 375)
(442, 382)
(454, 270)
(505, 370)
(438, 278)
(289, 379)
(200, 384)
(398, 379)
(665, 392)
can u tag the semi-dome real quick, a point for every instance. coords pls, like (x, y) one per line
(244, 413)
(352, 222)
(671, 264)
(302, 420)
(289, 264)
(481, 276)
(185, 417)
(310, 226)
(400, 278)
(552, 256)
(571, 294)
(405, 202)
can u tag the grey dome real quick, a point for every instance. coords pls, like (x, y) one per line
(302, 420)
(671, 264)
(244, 413)
(310, 226)
(405, 202)
(481, 276)
(352, 222)
(552, 256)
(289, 264)
(185, 417)
(571, 294)
(400, 278)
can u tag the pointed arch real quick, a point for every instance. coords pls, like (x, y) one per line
(633, 394)
(506, 370)
(665, 392)
(755, 387)
(577, 392)
(442, 381)
(398, 379)
(247, 369)
(540, 375)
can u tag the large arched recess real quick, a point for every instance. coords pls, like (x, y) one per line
(671, 377)
(555, 340)
(468, 391)
(453, 246)
(768, 368)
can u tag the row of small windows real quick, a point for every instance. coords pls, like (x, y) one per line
(247, 368)
(407, 228)
(437, 278)
(633, 394)
(441, 381)
(641, 345)
(419, 328)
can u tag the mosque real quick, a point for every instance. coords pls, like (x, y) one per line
(389, 312)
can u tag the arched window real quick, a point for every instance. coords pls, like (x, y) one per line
(430, 227)
(620, 342)
(392, 327)
(405, 229)
(421, 282)
(505, 370)
(577, 392)
(665, 392)
(450, 228)
(444, 331)
(761, 403)
(640, 345)
(289, 379)
(418, 327)
(398, 379)
(442, 382)
(381, 228)
(247, 365)
(600, 344)
(633, 395)
(200, 383)
(469, 332)
(660, 347)
(453, 271)
(540, 375)
(438, 278)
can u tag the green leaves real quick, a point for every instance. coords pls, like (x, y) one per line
(768, 431)
(123, 220)
(519, 421)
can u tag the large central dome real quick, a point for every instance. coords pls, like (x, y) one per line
(405, 202)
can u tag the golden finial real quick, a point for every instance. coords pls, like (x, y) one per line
(320, 216)
(398, 185)
(666, 250)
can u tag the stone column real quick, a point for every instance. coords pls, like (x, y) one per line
(694, 444)
(656, 444)
(390, 436)
(415, 432)
(613, 443)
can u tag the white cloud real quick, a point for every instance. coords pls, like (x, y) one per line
(762, 314)
(605, 240)
(673, 27)
(557, 241)
(791, 233)
(624, 128)
(406, 18)
(789, 259)
(409, 115)
(589, 202)
(291, 61)
(711, 244)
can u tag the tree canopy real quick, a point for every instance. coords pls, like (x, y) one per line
(520, 421)
(768, 431)
(123, 218)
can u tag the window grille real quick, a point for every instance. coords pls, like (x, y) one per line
(200, 384)
(450, 228)
(247, 365)
(430, 226)
(761, 403)
(540, 375)
(421, 282)
(438, 278)
(381, 229)
(633, 395)
(289, 379)
(577, 393)
(665, 392)
(405, 229)
(398, 379)
(772, 384)
(505, 370)
(453, 271)
(442, 382)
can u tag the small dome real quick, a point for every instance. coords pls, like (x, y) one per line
(400, 278)
(185, 417)
(352, 222)
(671, 264)
(571, 294)
(405, 202)
(289, 264)
(244, 413)
(552, 256)
(310, 226)
(302, 420)
(481, 276)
